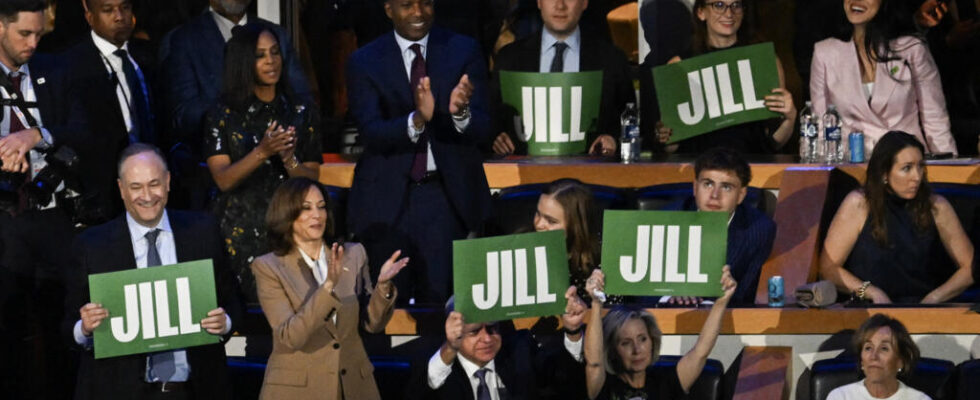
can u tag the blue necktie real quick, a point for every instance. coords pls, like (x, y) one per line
(558, 63)
(162, 366)
(482, 390)
(140, 113)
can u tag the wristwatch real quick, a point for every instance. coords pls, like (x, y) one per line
(463, 114)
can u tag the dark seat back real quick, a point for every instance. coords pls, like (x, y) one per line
(706, 387)
(338, 209)
(967, 376)
(931, 376)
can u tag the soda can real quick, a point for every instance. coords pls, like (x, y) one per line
(856, 143)
(776, 298)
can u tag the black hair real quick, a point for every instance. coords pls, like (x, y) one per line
(238, 81)
(746, 32)
(724, 159)
(10, 8)
(893, 20)
(138, 148)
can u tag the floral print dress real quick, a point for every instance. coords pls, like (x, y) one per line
(241, 210)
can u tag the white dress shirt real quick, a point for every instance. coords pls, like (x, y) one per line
(571, 55)
(319, 268)
(167, 250)
(114, 66)
(408, 55)
(35, 158)
(225, 25)
(438, 372)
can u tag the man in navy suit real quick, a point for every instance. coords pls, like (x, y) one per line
(148, 235)
(563, 46)
(193, 64)
(419, 97)
(721, 182)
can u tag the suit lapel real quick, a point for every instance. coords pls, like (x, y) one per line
(300, 277)
(437, 64)
(588, 47)
(120, 248)
(212, 53)
(854, 82)
(93, 61)
(885, 84)
(531, 54)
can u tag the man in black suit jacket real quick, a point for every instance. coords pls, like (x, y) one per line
(124, 243)
(37, 120)
(112, 74)
(419, 184)
(491, 361)
(721, 182)
(586, 51)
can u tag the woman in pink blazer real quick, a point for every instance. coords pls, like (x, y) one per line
(882, 79)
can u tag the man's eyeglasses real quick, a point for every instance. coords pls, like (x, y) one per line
(720, 7)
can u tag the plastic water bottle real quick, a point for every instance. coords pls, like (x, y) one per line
(630, 142)
(808, 134)
(832, 136)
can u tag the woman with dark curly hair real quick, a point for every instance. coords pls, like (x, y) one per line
(258, 136)
(887, 351)
(889, 233)
(881, 77)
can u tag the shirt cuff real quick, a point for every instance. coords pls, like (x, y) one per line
(80, 338)
(413, 134)
(574, 348)
(438, 371)
(46, 139)
(461, 124)
(227, 325)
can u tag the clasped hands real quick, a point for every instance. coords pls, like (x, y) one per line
(92, 315)
(14, 148)
(425, 102)
(279, 140)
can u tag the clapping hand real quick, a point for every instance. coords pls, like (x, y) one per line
(277, 140)
(425, 103)
(335, 264)
(459, 100)
(391, 267)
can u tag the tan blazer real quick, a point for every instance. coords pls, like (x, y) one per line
(313, 358)
(907, 94)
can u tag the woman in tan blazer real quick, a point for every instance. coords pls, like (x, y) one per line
(310, 294)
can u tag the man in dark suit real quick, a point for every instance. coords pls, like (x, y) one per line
(192, 58)
(491, 361)
(113, 76)
(148, 235)
(721, 182)
(576, 50)
(36, 120)
(419, 97)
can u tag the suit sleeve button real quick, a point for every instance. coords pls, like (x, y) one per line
(343, 372)
(336, 345)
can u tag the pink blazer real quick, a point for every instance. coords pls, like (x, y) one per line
(907, 94)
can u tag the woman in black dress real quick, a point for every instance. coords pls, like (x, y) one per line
(892, 233)
(258, 136)
(620, 346)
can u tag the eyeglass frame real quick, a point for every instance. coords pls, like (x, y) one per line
(714, 6)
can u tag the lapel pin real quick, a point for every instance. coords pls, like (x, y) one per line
(40, 81)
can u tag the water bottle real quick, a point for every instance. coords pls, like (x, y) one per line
(630, 142)
(808, 135)
(832, 136)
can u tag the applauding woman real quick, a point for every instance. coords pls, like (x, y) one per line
(620, 346)
(257, 137)
(311, 293)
